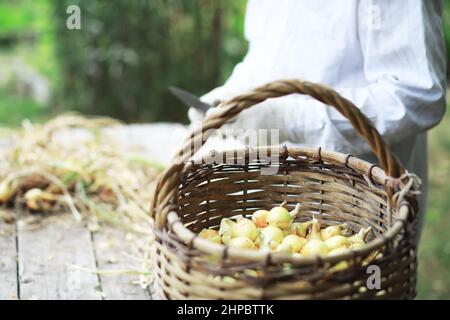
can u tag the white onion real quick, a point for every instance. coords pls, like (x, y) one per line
(315, 230)
(284, 247)
(337, 242)
(314, 247)
(242, 242)
(211, 235)
(279, 217)
(226, 225)
(331, 231)
(295, 242)
(361, 235)
(271, 237)
(300, 228)
(244, 228)
(260, 218)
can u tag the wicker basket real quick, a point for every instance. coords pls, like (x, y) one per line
(334, 187)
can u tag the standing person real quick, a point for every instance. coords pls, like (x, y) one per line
(387, 57)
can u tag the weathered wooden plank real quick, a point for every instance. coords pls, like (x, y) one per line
(116, 254)
(8, 262)
(47, 254)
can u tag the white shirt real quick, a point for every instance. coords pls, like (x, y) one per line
(386, 56)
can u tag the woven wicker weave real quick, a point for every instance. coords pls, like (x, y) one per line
(334, 187)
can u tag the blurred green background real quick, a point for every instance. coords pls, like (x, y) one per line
(130, 51)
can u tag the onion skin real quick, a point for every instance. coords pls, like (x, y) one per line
(331, 231)
(271, 237)
(357, 245)
(226, 239)
(340, 266)
(337, 251)
(36, 199)
(225, 230)
(300, 228)
(279, 217)
(242, 242)
(337, 242)
(211, 235)
(228, 279)
(260, 218)
(251, 273)
(284, 247)
(294, 213)
(7, 190)
(315, 247)
(244, 228)
(295, 242)
(315, 231)
(226, 225)
(361, 235)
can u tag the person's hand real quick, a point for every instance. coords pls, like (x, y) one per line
(214, 98)
(196, 117)
(289, 117)
(271, 115)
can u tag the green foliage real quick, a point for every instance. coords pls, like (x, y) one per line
(446, 25)
(15, 16)
(14, 109)
(127, 54)
(26, 38)
(434, 253)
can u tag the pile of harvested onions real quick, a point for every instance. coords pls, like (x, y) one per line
(73, 163)
(276, 230)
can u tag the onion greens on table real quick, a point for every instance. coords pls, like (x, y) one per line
(73, 163)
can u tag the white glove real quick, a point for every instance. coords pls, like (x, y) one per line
(195, 117)
(297, 119)
(214, 97)
(292, 116)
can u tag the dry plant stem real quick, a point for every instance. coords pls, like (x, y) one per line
(87, 171)
(110, 272)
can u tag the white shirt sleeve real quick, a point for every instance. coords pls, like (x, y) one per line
(405, 63)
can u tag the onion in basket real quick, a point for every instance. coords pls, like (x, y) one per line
(242, 242)
(337, 242)
(280, 234)
(315, 245)
(280, 217)
(211, 235)
(244, 228)
(226, 225)
(295, 242)
(341, 265)
(360, 236)
(332, 231)
(300, 228)
(260, 218)
(271, 237)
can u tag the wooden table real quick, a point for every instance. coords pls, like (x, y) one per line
(58, 259)
(37, 261)
(51, 260)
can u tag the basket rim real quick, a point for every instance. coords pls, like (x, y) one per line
(374, 173)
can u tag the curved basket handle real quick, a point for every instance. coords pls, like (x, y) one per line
(169, 179)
